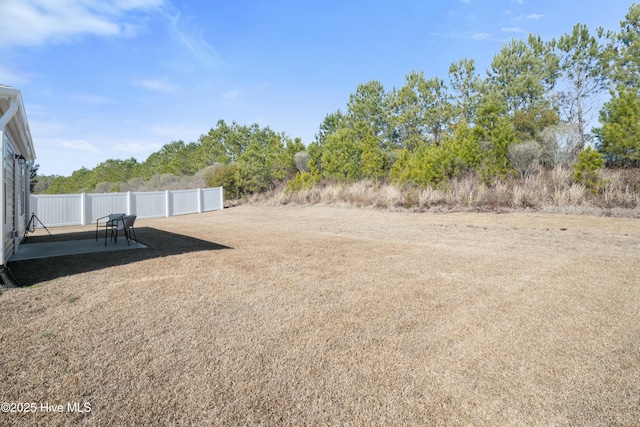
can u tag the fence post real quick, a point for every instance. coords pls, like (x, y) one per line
(221, 197)
(83, 209)
(129, 197)
(199, 200)
(167, 202)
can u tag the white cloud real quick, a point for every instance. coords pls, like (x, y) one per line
(512, 30)
(41, 128)
(175, 131)
(94, 99)
(231, 94)
(466, 35)
(535, 16)
(194, 41)
(79, 144)
(135, 147)
(481, 36)
(35, 22)
(138, 4)
(158, 85)
(11, 78)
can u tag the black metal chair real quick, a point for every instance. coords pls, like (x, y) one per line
(125, 224)
(108, 222)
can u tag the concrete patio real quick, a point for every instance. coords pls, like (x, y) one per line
(56, 248)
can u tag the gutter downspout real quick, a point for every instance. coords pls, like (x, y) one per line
(5, 274)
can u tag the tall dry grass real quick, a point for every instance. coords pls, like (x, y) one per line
(547, 190)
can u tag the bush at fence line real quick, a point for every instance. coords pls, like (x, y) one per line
(223, 176)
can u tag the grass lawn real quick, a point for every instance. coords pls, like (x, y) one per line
(328, 315)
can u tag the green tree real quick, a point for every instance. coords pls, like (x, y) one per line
(496, 136)
(79, 181)
(516, 73)
(467, 87)
(372, 159)
(266, 161)
(587, 169)
(341, 156)
(426, 166)
(33, 177)
(524, 73)
(315, 155)
(113, 171)
(56, 186)
(422, 111)
(409, 108)
(224, 175)
(619, 136)
(43, 182)
(253, 173)
(623, 52)
(464, 149)
(169, 159)
(368, 113)
(331, 123)
(211, 148)
(581, 61)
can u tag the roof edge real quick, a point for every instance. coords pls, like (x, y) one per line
(27, 148)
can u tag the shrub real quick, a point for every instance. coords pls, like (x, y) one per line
(524, 157)
(304, 180)
(559, 145)
(224, 176)
(586, 169)
(301, 160)
(341, 156)
(105, 187)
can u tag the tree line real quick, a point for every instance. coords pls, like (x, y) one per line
(260, 156)
(530, 110)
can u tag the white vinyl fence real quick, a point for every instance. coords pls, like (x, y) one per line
(58, 210)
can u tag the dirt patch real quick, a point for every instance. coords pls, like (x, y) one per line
(326, 315)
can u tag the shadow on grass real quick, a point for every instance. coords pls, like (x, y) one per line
(159, 244)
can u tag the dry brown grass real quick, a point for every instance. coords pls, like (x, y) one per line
(335, 316)
(546, 190)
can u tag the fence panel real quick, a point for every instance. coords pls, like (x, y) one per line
(149, 204)
(99, 205)
(57, 210)
(212, 199)
(185, 202)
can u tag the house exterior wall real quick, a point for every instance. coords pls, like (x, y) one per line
(15, 137)
(8, 181)
(15, 182)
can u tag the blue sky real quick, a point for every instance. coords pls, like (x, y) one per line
(117, 79)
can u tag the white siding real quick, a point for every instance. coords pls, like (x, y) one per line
(9, 195)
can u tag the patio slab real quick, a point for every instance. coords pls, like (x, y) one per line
(70, 247)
